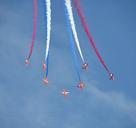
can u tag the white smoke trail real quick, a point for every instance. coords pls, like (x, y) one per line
(48, 14)
(71, 18)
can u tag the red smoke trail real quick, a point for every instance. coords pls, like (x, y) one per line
(34, 31)
(83, 21)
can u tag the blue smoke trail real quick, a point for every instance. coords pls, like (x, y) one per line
(72, 45)
(47, 64)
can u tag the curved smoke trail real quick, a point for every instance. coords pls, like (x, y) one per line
(71, 18)
(48, 17)
(72, 42)
(48, 14)
(34, 30)
(83, 21)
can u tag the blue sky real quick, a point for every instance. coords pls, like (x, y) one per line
(24, 100)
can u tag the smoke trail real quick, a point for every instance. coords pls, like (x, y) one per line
(72, 42)
(48, 17)
(71, 18)
(34, 31)
(47, 69)
(48, 14)
(83, 21)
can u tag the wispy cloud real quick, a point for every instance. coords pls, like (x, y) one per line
(116, 100)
